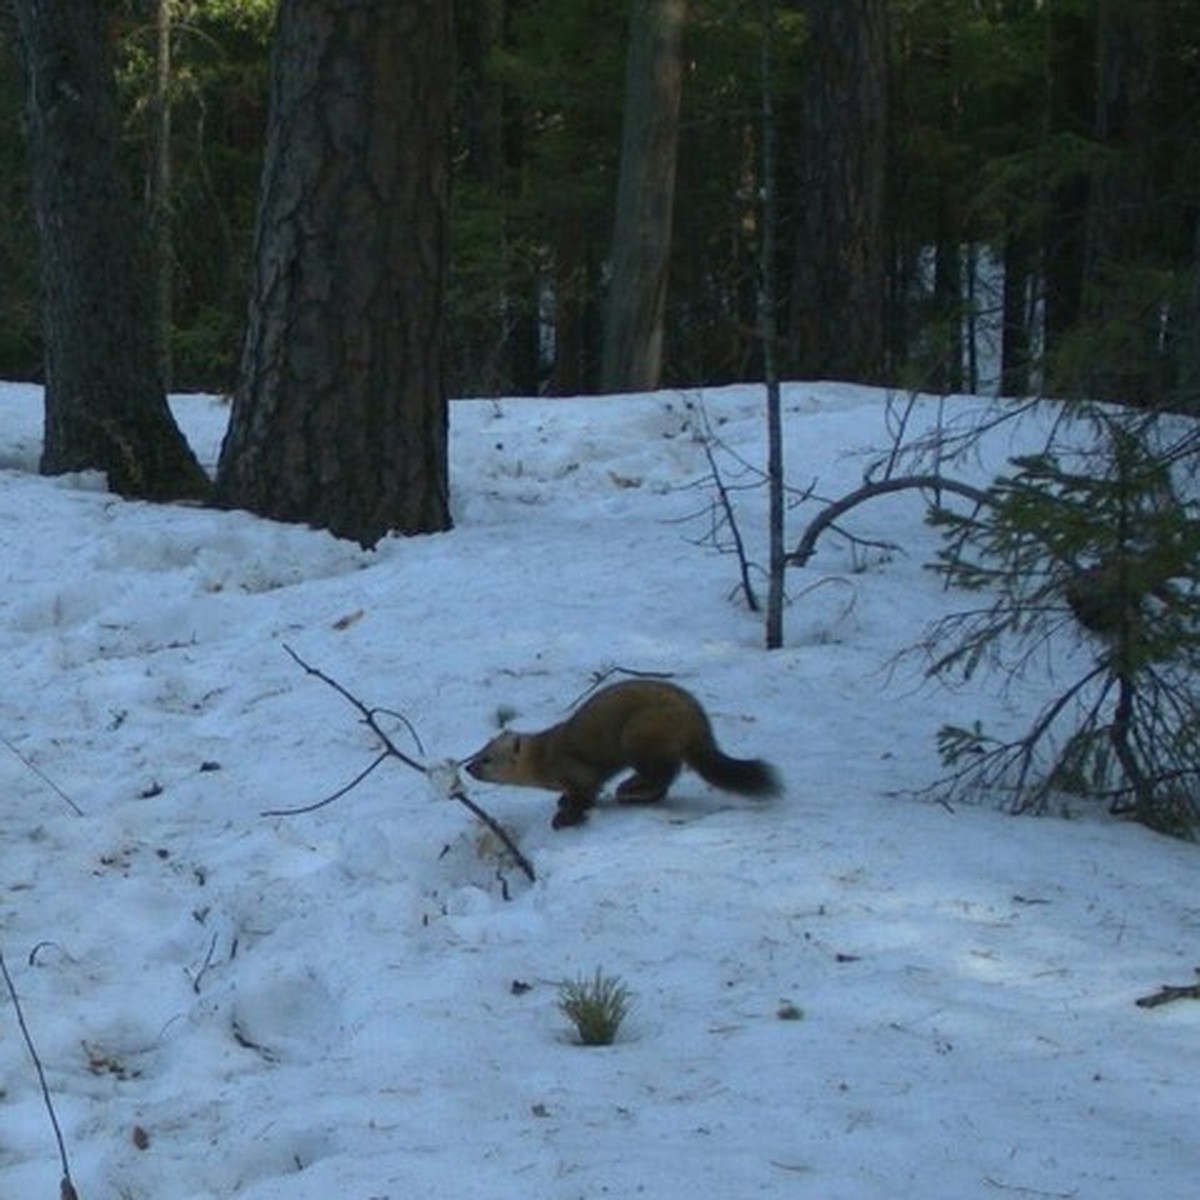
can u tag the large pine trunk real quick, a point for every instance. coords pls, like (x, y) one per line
(105, 405)
(339, 419)
(837, 315)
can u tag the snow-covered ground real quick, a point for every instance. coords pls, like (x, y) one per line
(361, 1002)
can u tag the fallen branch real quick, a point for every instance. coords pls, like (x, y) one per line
(66, 1187)
(806, 546)
(1168, 994)
(370, 718)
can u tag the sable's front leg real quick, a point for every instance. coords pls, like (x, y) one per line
(572, 810)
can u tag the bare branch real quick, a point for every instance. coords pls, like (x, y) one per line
(66, 1188)
(731, 521)
(370, 717)
(806, 547)
(32, 766)
(349, 787)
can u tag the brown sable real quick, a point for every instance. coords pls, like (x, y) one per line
(649, 727)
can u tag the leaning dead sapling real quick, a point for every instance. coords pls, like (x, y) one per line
(442, 776)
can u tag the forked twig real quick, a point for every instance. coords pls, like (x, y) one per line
(370, 717)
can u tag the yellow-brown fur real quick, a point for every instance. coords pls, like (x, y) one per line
(651, 727)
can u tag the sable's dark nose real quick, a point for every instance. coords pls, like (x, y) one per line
(473, 768)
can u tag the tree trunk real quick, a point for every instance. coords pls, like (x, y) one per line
(1015, 324)
(837, 307)
(1187, 393)
(480, 97)
(105, 407)
(946, 352)
(768, 328)
(1070, 76)
(339, 419)
(641, 248)
(1124, 362)
(160, 191)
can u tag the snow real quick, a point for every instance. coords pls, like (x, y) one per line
(847, 993)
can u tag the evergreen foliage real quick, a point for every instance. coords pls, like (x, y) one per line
(1106, 542)
(1053, 147)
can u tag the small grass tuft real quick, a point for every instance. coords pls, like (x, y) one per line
(596, 1006)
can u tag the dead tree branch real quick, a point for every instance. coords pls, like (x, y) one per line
(731, 524)
(806, 546)
(370, 718)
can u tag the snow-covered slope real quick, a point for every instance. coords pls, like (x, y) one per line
(323, 1005)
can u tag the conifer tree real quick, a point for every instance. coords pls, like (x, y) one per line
(1102, 545)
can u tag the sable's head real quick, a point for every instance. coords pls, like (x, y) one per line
(497, 760)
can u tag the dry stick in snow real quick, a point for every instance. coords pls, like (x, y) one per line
(370, 717)
(1168, 994)
(66, 1187)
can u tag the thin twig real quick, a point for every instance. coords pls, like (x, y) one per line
(307, 808)
(369, 715)
(66, 1188)
(599, 677)
(391, 750)
(731, 522)
(44, 778)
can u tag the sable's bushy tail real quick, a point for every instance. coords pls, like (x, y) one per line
(745, 776)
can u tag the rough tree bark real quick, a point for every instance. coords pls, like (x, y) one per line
(339, 419)
(1070, 68)
(105, 405)
(837, 305)
(1125, 363)
(637, 294)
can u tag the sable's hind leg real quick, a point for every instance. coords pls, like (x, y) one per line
(648, 784)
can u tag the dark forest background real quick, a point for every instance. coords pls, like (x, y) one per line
(970, 193)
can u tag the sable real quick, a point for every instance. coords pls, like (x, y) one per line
(650, 727)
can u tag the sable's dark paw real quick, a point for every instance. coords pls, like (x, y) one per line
(567, 816)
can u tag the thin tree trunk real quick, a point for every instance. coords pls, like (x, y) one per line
(637, 294)
(946, 373)
(1124, 362)
(160, 192)
(1015, 323)
(769, 331)
(1069, 69)
(837, 307)
(1187, 397)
